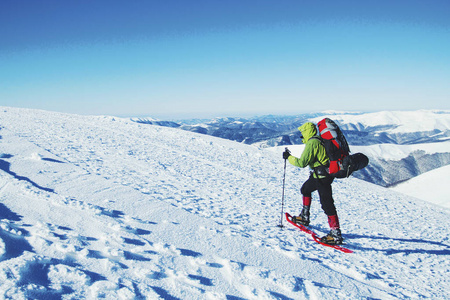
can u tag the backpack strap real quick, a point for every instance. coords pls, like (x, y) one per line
(322, 169)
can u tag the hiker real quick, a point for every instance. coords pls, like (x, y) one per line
(314, 155)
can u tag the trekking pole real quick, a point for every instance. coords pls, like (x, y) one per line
(282, 195)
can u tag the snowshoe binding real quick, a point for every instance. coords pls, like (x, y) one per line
(302, 219)
(334, 237)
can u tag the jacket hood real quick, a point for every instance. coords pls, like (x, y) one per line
(308, 130)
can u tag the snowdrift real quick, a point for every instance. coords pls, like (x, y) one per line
(102, 207)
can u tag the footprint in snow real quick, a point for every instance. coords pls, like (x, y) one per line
(12, 237)
(48, 278)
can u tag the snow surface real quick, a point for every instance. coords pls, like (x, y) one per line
(102, 207)
(419, 186)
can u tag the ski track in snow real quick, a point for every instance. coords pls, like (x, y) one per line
(101, 207)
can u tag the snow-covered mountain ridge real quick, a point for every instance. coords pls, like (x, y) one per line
(396, 127)
(102, 207)
(399, 121)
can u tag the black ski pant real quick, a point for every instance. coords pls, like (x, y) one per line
(323, 186)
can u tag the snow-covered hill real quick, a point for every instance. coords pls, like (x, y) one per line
(101, 207)
(431, 186)
(391, 164)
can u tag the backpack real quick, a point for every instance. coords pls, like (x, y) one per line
(342, 164)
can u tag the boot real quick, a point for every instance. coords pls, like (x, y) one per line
(334, 237)
(303, 218)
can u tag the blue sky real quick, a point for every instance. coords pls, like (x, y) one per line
(172, 59)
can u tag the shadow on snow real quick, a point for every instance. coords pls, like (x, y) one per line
(5, 166)
(390, 251)
(15, 245)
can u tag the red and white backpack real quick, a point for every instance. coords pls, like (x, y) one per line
(342, 164)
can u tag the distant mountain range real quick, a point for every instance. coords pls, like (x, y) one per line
(361, 129)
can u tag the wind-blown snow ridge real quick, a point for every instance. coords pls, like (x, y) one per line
(102, 207)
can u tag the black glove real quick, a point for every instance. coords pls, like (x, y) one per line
(286, 154)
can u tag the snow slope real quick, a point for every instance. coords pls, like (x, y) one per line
(422, 186)
(101, 207)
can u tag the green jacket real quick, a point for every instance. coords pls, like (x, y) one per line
(314, 154)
